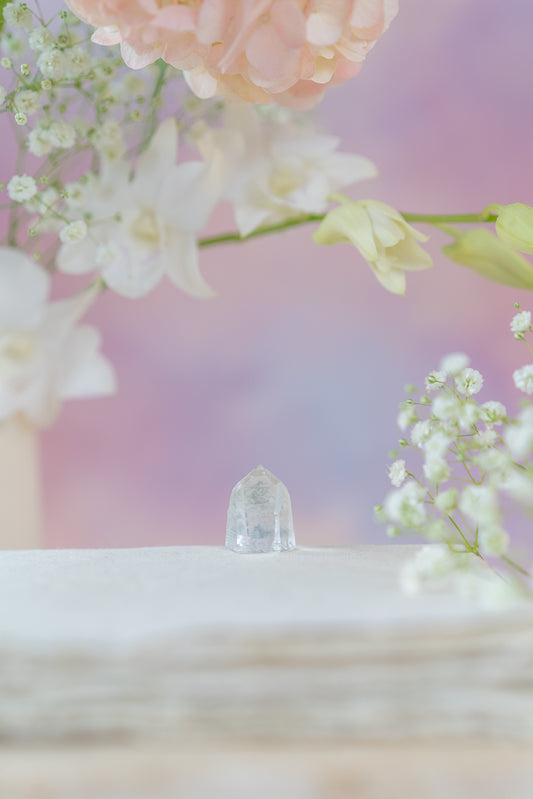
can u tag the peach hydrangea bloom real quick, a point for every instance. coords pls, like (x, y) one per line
(259, 50)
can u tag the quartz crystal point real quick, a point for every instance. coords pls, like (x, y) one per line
(260, 515)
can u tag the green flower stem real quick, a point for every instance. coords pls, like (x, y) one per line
(516, 566)
(430, 219)
(439, 219)
(227, 238)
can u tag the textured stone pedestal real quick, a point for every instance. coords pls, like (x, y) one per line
(195, 672)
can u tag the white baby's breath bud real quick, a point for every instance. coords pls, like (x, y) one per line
(52, 63)
(430, 562)
(480, 503)
(445, 407)
(20, 118)
(405, 506)
(3, 95)
(436, 446)
(435, 380)
(40, 39)
(519, 436)
(519, 485)
(469, 381)
(62, 135)
(454, 363)
(38, 142)
(109, 141)
(397, 473)
(523, 379)
(495, 462)
(521, 322)
(485, 439)
(406, 417)
(78, 62)
(494, 412)
(28, 102)
(7, 63)
(18, 15)
(21, 188)
(420, 432)
(73, 233)
(76, 194)
(446, 501)
(436, 470)
(493, 541)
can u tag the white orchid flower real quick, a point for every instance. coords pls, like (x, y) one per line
(382, 236)
(45, 357)
(149, 223)
(278, 167)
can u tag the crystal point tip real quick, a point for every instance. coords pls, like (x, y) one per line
(260, 514)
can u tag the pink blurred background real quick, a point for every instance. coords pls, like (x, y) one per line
(300, 362)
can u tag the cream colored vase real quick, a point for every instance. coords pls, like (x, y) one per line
(21, 518)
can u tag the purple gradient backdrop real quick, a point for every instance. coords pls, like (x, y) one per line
(300, 362)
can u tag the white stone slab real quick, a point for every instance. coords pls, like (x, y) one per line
(127, 596)
(199, 643)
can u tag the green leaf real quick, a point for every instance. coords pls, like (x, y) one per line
(480, 250)
(3, 4)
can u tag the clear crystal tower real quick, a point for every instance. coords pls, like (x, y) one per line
(260, 515)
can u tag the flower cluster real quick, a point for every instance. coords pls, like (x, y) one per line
(258, 50)
(98, 188)
(475, 461)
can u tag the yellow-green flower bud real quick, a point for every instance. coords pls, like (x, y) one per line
(480, 250)
(514, 226)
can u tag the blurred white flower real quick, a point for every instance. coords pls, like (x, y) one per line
(52, 63)
(150, 222)
(17, 15)
(519, 436)
(28, 102)
(382, 236)
(405, 506)
(494, 412)
(480, 503)
(430, 562)
(406, 417)
(521, 322)
(45, 357)
(446, 501)
(421, 432)
(397, 473)
(454, 363)
(493, 540)
(469, 381)
(523, 379)
(21, 188)
(278, 167)
(436, 470)
(73, 232)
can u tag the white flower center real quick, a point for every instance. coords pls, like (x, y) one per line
(146, 229)
(19, 348)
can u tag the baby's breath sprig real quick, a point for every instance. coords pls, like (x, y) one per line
(78, 109)
(473, 460)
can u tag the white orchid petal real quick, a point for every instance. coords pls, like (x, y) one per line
(24, 287)
(183, 267)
